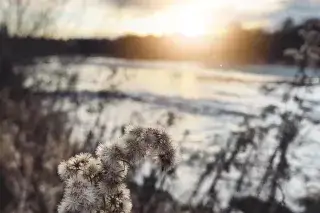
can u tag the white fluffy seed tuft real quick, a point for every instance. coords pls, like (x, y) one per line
(97, 183)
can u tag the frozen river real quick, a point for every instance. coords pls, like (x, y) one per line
(202, 106)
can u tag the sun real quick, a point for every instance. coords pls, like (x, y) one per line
(192, 26)
(188, 20)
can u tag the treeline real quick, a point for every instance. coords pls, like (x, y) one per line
(236, 46)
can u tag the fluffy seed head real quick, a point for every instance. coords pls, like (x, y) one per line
(92, 170)
(67, 206)
(113, 174)
(120, 200)
(167, 159)
(90, 181)
(64, 171)
(135, 152)
(80, 194)
(79, 161)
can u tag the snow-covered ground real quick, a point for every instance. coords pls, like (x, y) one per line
(208, 103)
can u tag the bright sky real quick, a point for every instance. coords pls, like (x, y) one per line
(188, 17)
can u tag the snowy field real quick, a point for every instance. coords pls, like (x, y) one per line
(207, 104)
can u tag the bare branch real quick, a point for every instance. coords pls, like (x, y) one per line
(27, 17)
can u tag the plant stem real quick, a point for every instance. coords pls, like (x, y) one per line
(104, 204)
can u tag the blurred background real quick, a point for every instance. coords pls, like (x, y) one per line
(244, 116)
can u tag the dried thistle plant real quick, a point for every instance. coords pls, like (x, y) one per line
(309, 51)
(97, 183)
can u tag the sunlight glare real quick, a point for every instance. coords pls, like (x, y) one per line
(195, 18)
(189, 20)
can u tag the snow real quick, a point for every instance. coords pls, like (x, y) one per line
(207, 102)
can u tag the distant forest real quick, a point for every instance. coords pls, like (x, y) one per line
(237, 46)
